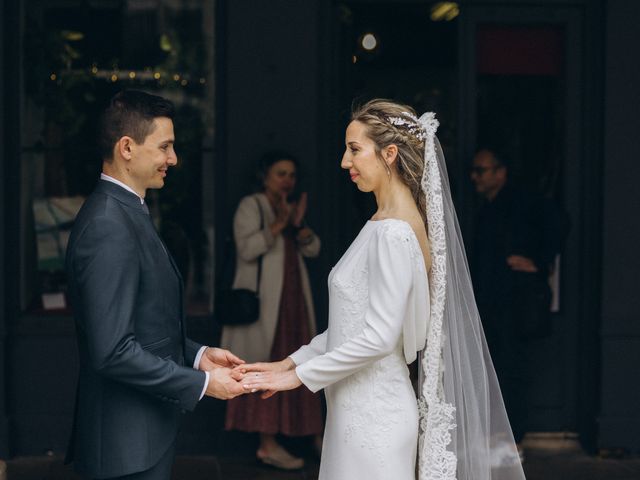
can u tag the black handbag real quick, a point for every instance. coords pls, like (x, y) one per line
(240, 306)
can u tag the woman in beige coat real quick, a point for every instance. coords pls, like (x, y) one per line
(287, 318)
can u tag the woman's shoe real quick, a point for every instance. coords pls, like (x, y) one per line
(280, 458)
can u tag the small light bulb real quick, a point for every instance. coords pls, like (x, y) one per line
(369, 42)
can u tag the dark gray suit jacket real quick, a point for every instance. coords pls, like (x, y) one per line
(136, 376)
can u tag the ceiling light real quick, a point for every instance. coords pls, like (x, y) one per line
(369, 42)
(444, 11)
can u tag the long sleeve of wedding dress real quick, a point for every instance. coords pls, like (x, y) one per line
(389, 281)
(317, 346)
(378, 307)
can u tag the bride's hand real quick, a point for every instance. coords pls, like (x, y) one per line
(271, 382)
(281, 366)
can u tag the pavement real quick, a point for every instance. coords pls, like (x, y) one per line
(538, 466)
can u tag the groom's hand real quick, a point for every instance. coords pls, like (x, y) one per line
(222, 385)
(213, 358)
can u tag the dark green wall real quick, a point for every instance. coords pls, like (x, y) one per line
(620, 333)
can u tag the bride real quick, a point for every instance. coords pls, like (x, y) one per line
(401, 291)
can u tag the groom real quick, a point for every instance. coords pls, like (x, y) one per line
(138, 371)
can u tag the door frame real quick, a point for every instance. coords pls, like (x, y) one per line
(582, 192)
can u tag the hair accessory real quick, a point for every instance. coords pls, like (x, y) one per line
(411, 123)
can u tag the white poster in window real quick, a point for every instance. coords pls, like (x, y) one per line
(54, 218)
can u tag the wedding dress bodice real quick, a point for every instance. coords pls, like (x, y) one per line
(378, 311)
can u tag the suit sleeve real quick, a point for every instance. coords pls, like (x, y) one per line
(191, 350)
(105, 267)
(390, 282)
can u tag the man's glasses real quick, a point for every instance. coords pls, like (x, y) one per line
(480, 170)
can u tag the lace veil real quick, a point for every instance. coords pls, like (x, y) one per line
(464, 429)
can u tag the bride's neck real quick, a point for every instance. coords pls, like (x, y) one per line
(392, 198)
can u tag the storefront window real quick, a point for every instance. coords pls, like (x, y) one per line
(77, 55)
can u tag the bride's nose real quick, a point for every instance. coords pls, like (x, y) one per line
(346, 162)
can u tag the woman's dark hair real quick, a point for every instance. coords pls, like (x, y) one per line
(130, 113)
(274, 156)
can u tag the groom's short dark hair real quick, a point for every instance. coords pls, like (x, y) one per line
(131, 113)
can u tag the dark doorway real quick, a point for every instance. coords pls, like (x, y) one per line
(400, 51)
(496, 75)
(522, 88)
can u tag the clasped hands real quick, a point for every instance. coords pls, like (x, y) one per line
(292, 214)
(230, 376)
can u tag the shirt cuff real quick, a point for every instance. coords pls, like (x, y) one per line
(206, 384)
(196, 362)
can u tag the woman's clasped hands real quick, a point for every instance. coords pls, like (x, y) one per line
(269, 377)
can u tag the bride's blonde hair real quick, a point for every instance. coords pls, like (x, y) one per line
(405, 132)
(391, 123)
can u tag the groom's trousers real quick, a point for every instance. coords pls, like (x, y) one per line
(160, 471)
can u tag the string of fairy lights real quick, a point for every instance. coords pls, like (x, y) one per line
(114, 75)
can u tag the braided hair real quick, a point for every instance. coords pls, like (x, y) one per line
(390, 123)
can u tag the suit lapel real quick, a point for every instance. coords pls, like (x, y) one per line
(133, 201)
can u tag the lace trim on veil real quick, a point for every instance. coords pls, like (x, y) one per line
(437, 417)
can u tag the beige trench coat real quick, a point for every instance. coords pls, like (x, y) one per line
(253, 342)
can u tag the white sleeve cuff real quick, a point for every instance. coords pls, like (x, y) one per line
(196, 362)
(298, 357)
(206, 384)
(306, 378)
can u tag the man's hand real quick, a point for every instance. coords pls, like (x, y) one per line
(521, 264)
(213, 358)
(223, 385)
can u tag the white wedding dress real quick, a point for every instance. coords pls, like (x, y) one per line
(378, 307)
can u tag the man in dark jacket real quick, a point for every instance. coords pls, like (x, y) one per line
(138, 371)
(517, 236)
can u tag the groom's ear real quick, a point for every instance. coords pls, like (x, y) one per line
(124, 147)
